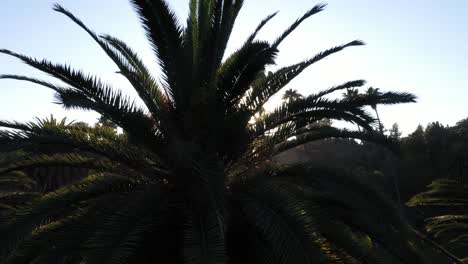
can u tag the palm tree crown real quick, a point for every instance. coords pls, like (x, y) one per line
(351, 93)
(291, 95)
(189, 180)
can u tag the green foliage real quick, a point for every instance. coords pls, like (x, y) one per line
(190, 179)
(452, 225)
(433, 152)
(444, 204)
(394, 132)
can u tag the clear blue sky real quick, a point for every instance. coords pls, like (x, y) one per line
(417, 46)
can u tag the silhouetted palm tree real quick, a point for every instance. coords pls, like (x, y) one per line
(375, 92)
(352, 94)
(291, 95)
(190, 179)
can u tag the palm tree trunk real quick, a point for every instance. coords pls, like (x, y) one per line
(378, 120)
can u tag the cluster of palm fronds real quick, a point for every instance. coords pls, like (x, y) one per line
(451, 198)
(190, 179)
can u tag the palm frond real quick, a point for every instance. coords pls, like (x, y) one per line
(208, 28)
(314, 10)
(165, 35)
(68, 139)
(230, 12)
(69, 160)
(203, 242)
(128, 63)
(88, 92)
(386, 98)
(331, 132)
(124, 230)
(451, 225)
(251, 38)
(376, 217)
(442, 192)
(19, 224)
(241, 68)
(309, 110)
(266, 88)
(285, 238)
(347, 85)
(50, 238)
(140, 76)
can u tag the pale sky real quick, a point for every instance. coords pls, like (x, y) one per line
(417, 46)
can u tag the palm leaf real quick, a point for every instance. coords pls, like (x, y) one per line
(266, 88)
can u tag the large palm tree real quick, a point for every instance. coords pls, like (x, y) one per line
(191, 180)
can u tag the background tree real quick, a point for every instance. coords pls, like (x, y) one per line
(437, 137)
(416, 141)
(458, 151)
(394, 132)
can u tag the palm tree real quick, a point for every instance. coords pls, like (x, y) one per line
(190, 179)
(352, 94)
(291, 95)
(375, 92)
